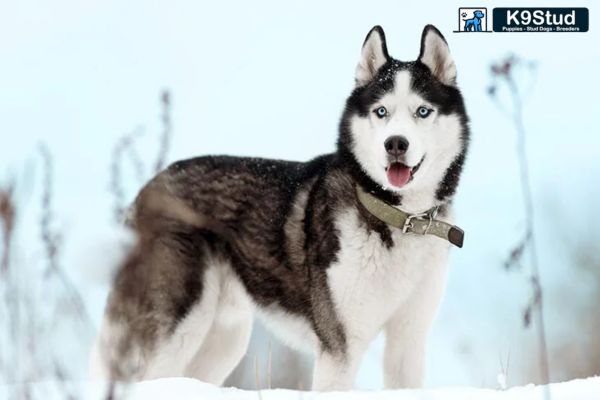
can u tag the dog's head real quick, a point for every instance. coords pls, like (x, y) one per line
(478, 14)
(404, 127)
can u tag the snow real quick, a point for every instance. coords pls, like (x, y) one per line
(186, 388)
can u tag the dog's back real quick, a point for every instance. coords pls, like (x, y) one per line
(212, 230)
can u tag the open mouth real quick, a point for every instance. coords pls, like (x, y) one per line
(400, 174)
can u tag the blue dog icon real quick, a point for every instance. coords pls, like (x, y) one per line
(474, 24)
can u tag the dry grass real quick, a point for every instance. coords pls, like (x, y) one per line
(125, 146)
(504, 75)
(34, 301)
(52, 240)
(165, 139)
(126, 150)
(7, 217)
(578, 355)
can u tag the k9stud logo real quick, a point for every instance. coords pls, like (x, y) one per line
(522, 19)
(541, 19)
(472, 19)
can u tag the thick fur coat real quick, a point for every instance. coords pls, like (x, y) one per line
(224, 238)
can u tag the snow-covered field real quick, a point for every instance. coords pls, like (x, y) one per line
(185, 388)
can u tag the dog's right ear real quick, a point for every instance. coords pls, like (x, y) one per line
(374, 54)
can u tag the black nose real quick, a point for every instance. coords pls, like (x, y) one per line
(396, 145)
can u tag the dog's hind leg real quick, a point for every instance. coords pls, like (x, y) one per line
(172, 354)
(228, 338)
(162, 304)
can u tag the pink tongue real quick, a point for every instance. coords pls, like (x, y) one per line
(398, 174)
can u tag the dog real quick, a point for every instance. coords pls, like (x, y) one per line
(474, 24)
(328, 253)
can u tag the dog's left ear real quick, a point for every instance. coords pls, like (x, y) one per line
(435, 54)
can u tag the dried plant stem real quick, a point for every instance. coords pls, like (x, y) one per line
(125, 146)
(257, 377)
(530, 232)
(9, 279)
(166, 133)
(51, 242)
(504, 368)
(7, 216)
(110, 393)
(269, 366)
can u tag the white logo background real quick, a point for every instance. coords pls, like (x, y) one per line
(467, 13)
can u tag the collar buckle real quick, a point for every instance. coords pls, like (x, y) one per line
(429, 215)
(408, 222)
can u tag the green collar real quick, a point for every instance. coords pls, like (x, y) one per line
(421, 224)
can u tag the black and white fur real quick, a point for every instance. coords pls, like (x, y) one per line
(224, 238)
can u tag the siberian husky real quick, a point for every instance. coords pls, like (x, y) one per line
(328, 252)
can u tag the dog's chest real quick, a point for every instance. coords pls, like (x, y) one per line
(370, 281)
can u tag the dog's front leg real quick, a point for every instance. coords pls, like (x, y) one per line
(404, 358)
(336, 371)
(406, 333)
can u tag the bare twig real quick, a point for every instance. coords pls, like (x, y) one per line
(125, 145)
(504, 72)
(62, 378)
(503, 377)
(136, 162)
(51, 241)
(7, 216)
(516, 254)
(165, 138)
(257, 377)
(110, 393)
(10, 317)
(269, 366)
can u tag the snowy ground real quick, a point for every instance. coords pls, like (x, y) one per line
(185, 388)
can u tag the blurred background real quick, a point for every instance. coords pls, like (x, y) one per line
(93, 93)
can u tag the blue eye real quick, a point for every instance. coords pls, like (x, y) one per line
(424, 112)
(381, 112)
